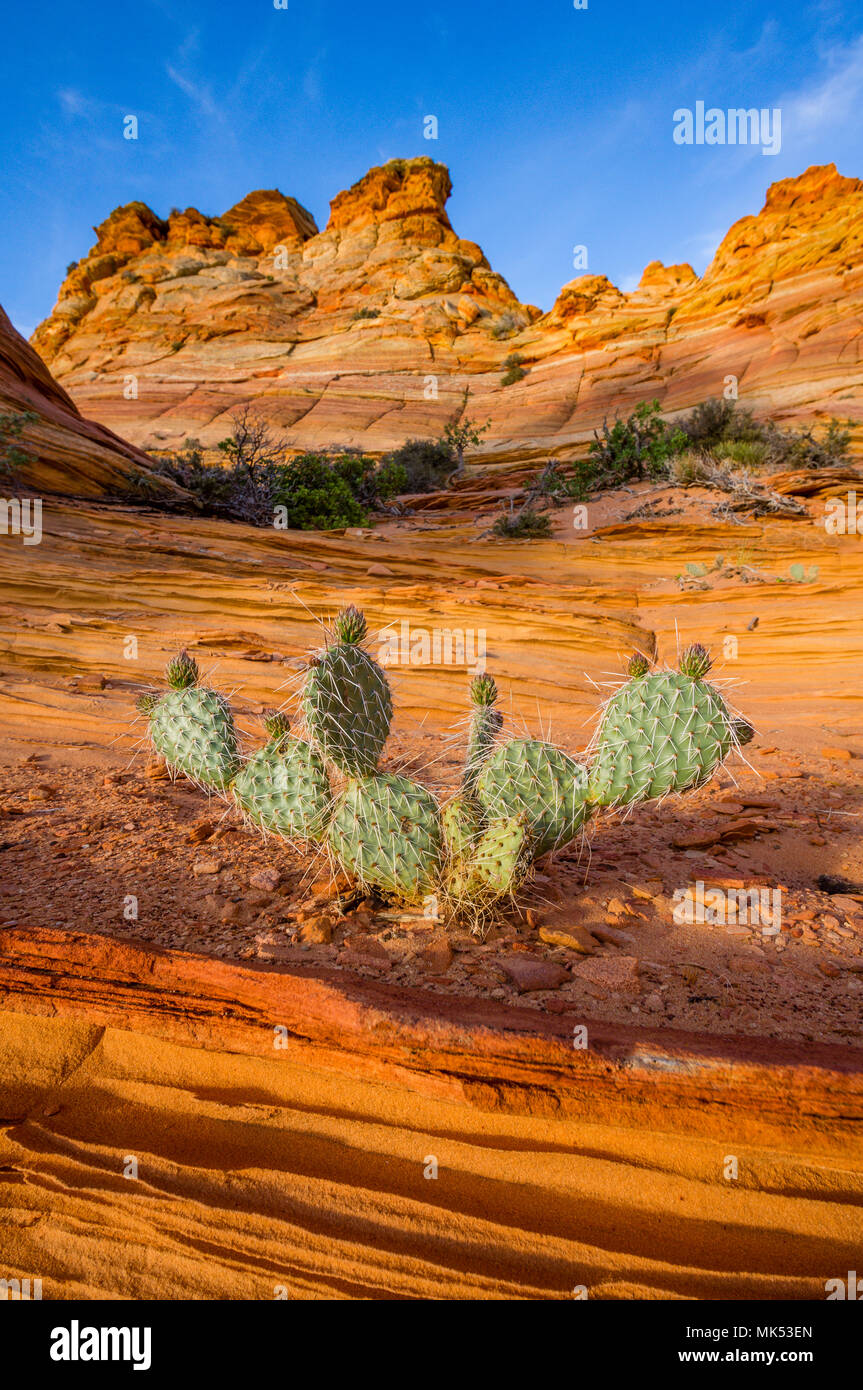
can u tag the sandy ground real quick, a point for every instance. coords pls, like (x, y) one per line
(80, 843)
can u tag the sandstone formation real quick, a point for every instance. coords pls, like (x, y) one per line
(369, 332)
(305, 1168)
(69, 454)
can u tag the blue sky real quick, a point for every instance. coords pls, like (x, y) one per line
(556, 123)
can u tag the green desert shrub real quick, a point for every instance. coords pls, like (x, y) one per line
(319, 491)
(729, 431)
(513, 369)
(749, 453)
(558, 486)
(718, 421)
(640, 446)
(528, 524)
(322, 493)
(365, 314)
(425, 463)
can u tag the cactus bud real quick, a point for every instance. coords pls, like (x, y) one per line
(276, 723)
(638, 665)
(483, 690)
(695, 662)
(351, 626)
(182, 671)
(145, 704)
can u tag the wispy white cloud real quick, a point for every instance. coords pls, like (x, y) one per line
(829, 102)
(74, 103)
(197, 92)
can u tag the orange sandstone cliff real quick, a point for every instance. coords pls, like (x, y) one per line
(368, 332)
(65, 453)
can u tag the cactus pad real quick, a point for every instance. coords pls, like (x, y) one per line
(283, 788)
(347, 701)
(192, 728)
(665, 732)
(495, 868)
(485, 724)
(461, 826)
(387, 831)
(546, 786)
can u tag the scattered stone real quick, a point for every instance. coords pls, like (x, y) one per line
(266, 879)
(612, 936)
(617, 973)
(573, 938)
(206, 866)
(380, 571)
(844, 903)
(528, 974)
(44, 792)
(837, 754)
(157, 770)
(317, 931)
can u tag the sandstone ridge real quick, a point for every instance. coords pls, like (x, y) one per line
(369, 332)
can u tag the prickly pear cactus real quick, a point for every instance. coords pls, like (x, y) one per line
(192, 727)
(495, 867)
(387, 831)
(346, 700)
(535, 780)
(662, 732)
(462, 826)
(485, 725)
(284, 788)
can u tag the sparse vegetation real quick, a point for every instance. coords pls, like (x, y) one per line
(426, 464)
(463, 433)
(365, 314)
(726, 430)
(514, 370)
(506, 325)
(319, 491)
(641, 446)
(12, 455)
(526, 524)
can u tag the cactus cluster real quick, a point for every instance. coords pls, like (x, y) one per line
(662, 731)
